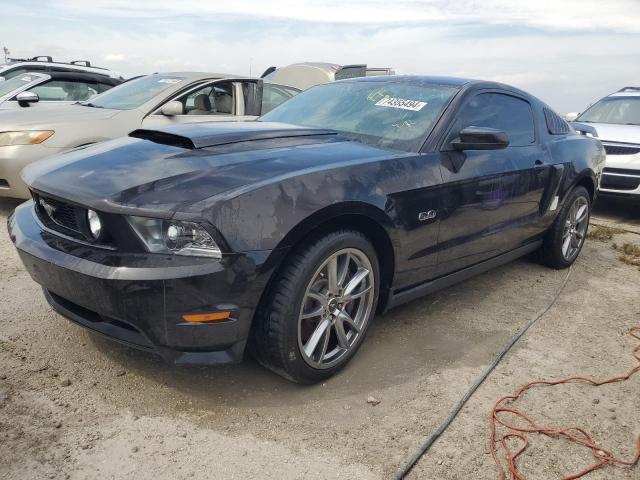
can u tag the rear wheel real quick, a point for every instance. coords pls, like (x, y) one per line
(566, 237)
(319, 309)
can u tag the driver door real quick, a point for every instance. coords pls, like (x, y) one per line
(491, 198)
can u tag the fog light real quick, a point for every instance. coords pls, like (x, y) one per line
(95, 225)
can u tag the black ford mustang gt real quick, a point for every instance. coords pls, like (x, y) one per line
(289, 233)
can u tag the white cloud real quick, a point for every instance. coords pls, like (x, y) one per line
(568, 53)
(573, 15)
(113, 57)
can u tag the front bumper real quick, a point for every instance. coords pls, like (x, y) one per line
(621, 176)
(12, 160)
(139, 299)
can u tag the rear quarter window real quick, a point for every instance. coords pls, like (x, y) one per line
(555, 124)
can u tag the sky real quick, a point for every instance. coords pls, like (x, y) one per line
(569, 53)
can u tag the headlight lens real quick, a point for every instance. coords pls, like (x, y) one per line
(24, 138)
(95, 225)
(170, 236)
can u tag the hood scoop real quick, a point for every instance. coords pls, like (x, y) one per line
(194, 136)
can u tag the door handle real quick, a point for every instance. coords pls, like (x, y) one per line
(538, 164)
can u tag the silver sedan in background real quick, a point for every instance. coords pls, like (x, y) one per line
(151, 101)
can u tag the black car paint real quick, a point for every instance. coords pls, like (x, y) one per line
(263, 187)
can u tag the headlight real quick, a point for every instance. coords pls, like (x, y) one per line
(24, 138)
(169, 236)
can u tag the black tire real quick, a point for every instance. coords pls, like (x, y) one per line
(551, 253)
(274, 337)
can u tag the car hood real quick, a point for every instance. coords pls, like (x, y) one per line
(609, 132)
(163, 171)
(50, 117)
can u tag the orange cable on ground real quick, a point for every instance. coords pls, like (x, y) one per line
(575, 435)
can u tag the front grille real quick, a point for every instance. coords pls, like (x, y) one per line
(623, 171)
(616, 182)
(621, 149)
(62, 217)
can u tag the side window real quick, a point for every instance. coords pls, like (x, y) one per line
(65, 91)
(502, 112)
(274, 95)
(216, 99)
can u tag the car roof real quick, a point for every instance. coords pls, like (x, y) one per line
(626, 94)
(68, 66)
(456, 82)
(85, 76)
(197, 75)
(416, 79)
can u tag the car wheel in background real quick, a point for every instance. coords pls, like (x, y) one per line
(317, 313)
(565, 238)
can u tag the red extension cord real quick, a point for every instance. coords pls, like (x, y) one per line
(576, 435)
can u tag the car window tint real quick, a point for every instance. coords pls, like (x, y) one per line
(274, 95)
(64, 91)
(502, 112)
(389, 114)
(214, 99)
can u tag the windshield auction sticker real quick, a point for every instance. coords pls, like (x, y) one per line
(402, 103)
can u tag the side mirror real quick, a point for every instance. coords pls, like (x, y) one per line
(172, 108)
(25, 98)
(480, 138)
(571, 117)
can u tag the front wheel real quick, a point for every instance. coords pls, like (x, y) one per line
(565, 238)
(318, 312)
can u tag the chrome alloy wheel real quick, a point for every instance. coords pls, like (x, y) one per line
(575, 228)
(336, 307)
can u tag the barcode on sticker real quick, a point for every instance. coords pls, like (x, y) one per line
(402, 103)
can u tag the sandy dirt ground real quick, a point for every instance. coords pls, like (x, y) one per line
(73, 405)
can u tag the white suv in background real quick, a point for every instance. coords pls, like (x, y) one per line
(46, 64)
(616, 119)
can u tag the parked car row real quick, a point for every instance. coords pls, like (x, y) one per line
(197, 239)
(615, 120)
(94, 114)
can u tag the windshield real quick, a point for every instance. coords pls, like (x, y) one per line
(134, 93)
(14, 83)
(388, 114)
(619, 110)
